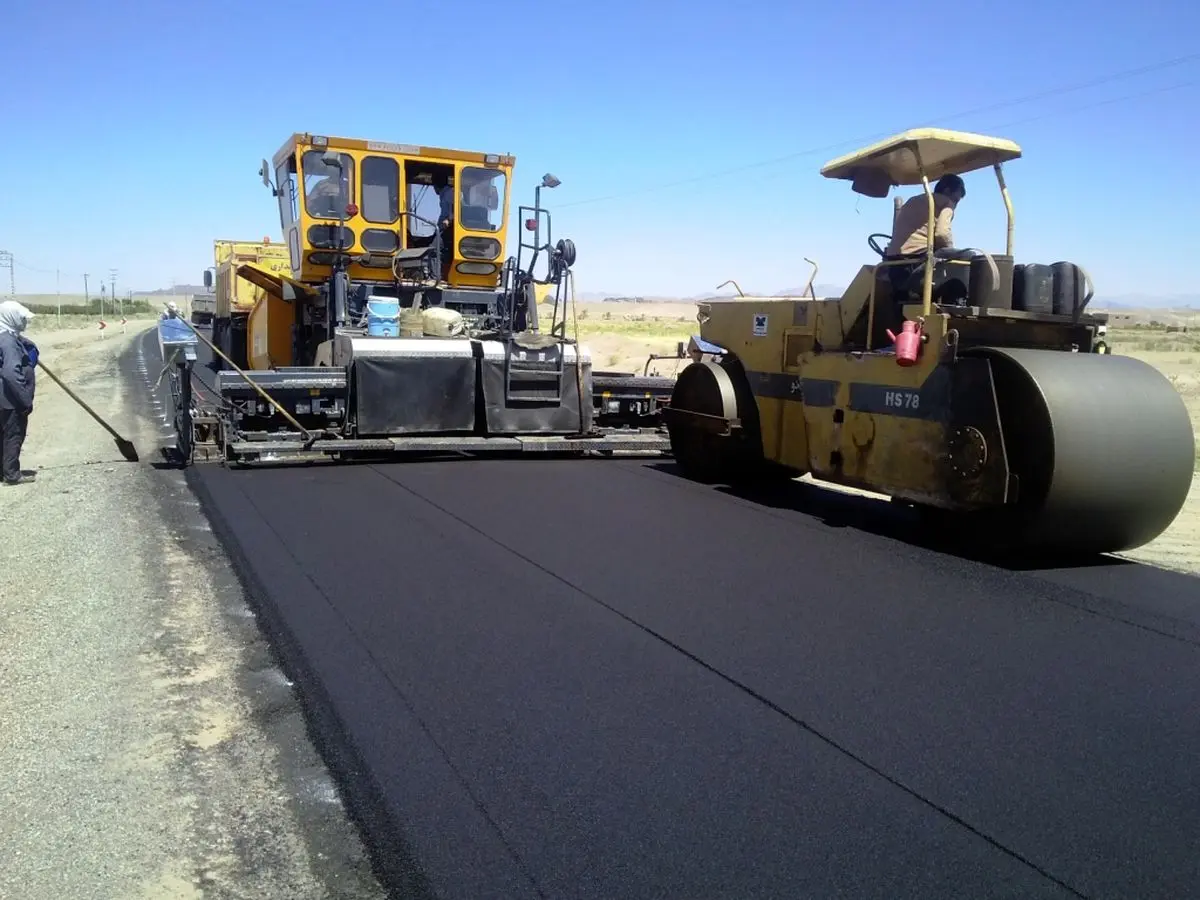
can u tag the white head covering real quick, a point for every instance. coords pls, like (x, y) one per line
(14, 317)
(171, 306)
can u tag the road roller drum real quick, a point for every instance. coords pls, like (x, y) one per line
(1103, 447)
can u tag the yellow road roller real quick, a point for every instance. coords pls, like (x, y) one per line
(950, 379)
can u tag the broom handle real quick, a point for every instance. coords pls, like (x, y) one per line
(75, 397)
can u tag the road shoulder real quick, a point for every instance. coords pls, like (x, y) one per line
(151, 745)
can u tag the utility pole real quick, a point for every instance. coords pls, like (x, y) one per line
(6, 262)
(112, 285)
(87, 300)
(58, 294)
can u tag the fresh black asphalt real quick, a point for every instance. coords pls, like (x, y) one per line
(595, 679)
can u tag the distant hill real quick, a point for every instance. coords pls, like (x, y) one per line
(1148, 301)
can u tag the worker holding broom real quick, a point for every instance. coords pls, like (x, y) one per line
(18, 357)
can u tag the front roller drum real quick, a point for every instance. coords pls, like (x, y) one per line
(1102, 447)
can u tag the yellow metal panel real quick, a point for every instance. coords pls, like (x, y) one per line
(793, 447)
(753, 328)
(272, 281)
(269, 332)
(892, 446)
(771, 415)
(235, 294)
(762, 332)
(257, 336)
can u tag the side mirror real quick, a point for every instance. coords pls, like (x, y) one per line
(208, 278)
(549, 181)
(264, 173)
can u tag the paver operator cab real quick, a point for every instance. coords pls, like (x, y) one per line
(957, 382)
(398, 323)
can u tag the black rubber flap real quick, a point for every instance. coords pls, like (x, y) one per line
(550, 416)
(419, 395)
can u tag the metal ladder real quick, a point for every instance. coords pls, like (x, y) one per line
(538, 373)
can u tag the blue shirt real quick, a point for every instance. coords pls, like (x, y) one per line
(17, 378)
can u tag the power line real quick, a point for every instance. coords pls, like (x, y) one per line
(829, 148)
(42, 271)
(1111, 100)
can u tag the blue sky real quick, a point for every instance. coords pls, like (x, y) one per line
(145, 123)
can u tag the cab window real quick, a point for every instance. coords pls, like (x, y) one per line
(326, 194)
(380, 190)
(423, 202)
(481, 199)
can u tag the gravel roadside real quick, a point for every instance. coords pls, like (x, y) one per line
(149, 745)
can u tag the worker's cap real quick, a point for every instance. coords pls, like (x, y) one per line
(171, 305)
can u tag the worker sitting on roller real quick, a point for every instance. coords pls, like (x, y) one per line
(911, 232)
(910, 236)
(171, 312)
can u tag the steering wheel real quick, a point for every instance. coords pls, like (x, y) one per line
(875, 246)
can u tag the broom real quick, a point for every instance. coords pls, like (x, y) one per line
(125, 447)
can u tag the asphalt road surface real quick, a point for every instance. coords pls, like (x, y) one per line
(595, 679)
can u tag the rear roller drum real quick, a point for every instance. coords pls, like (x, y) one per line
(704, 388)
(737, 458)
(1102, 447)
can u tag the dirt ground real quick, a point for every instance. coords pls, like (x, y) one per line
(149, 746)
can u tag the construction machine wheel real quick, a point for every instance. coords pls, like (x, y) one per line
(722, 391)
(1102, 447)
(702, 455)
(181, 399)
